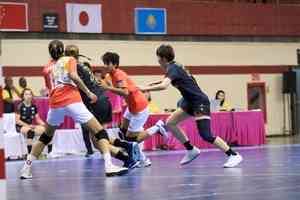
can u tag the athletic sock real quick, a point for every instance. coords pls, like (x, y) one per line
(188, 145)
(29, 147)
(49, 148)
(107, 159)
(142, 154)
(231, 152)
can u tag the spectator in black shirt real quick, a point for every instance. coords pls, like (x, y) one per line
(194, 103)
(26, 115)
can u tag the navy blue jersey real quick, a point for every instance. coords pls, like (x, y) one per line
(186, 84)
(87, 76)
(27, 113)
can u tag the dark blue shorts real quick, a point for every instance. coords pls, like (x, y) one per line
(192, 108)
(102, 110)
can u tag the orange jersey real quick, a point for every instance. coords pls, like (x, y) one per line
(136, 100)
(62, 90)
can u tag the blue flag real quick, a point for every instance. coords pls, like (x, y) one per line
(150, 21)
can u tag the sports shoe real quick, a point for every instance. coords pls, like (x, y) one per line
(134, 151)
(233, 161)
(131, 164)
(114, 170)
(26, 172)
(88, 154)
(162, 130)
(190, 156)
(144, 163)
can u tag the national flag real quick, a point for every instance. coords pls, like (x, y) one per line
(150, 21)
(84, 18)
(13, 16)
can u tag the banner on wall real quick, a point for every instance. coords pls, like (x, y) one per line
(84, 18)
(50, 22)
(13, 16)
(150, 21)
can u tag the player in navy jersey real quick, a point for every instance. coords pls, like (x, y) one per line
(26, 115)
(194, 103)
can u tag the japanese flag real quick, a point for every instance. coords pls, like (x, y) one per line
(84, 18)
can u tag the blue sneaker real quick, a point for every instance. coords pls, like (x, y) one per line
(131, 164)
(134, 151)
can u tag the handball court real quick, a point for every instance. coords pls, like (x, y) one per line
(268, 172)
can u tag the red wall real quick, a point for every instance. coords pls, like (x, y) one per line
(185, 17)
(156, 70)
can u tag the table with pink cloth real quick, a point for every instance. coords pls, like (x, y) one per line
(236, 128)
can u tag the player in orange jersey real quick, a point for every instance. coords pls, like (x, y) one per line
(137, 111)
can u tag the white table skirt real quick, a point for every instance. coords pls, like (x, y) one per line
(68, 141)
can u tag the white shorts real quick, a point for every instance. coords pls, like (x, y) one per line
(136, 121)
(77, 111)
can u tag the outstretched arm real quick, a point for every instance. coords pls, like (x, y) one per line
(120, 90)
(164, 84)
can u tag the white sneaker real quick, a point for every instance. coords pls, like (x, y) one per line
(144, 163)
(114, 170)
(233, 161)
(190, 156)
(162, 130)
(26, 172)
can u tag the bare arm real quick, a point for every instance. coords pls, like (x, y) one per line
(119, 90)
(38, 120)
(19, 121)
(155, 83)
(157, 87)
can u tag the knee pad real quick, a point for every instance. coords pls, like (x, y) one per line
(30, 134)
(102, 135)
(205, 131)
(45, 139)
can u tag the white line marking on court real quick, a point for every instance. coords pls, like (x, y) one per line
(163, 153)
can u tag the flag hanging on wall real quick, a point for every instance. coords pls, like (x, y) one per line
(84, 18)
(13, 16)
(150, 21)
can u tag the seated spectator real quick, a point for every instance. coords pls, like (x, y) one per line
(9, 95)
(224, 105)
(26, 114)
(153, 108)
(22, 84)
